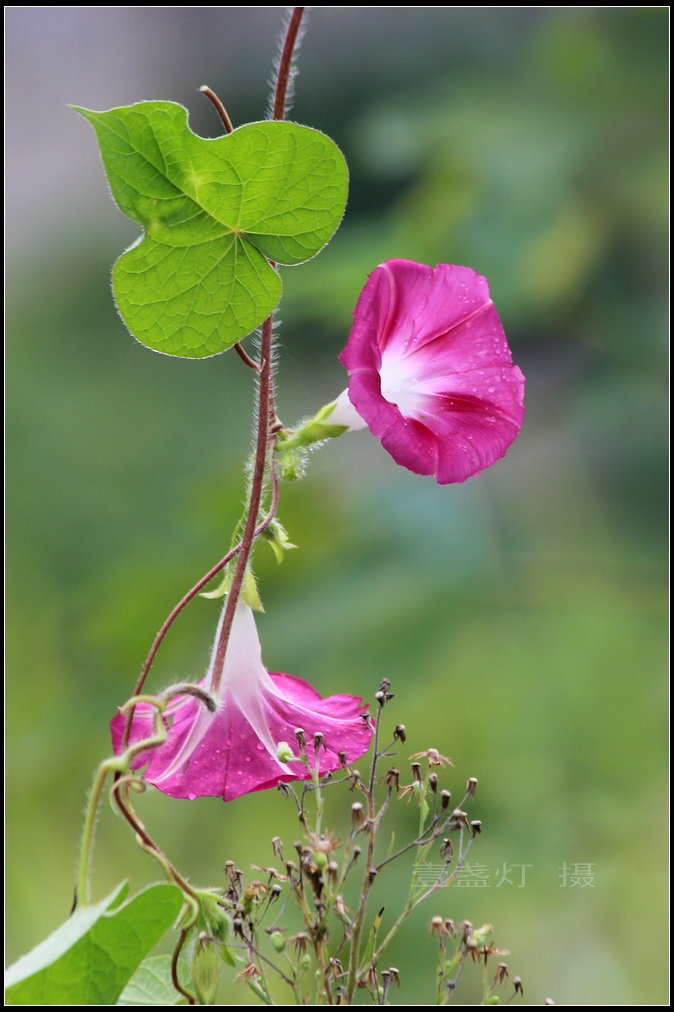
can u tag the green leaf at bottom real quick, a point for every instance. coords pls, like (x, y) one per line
(151, 984)
(89, 958)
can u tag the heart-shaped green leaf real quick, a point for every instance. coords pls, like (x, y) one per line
(89, 959)
(213, 211)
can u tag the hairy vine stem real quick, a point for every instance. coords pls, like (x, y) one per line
(265, 397)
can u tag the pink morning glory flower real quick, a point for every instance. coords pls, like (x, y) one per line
(260, 716)
(430, 371)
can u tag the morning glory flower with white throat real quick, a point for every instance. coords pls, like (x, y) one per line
(261, 720)
(430, 371)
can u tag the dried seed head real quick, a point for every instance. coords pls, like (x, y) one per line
(392, 777)
(372, 874)
(249, 972)
(459, 818)
(368, 721)
(395, 974)
(357, 851)
(400, 733)
(466, 929)
(433, 782)
(434, 757)
(272, 872)
(277, 847)
(383, 695)
(471, 786)
(275, 891)
(256, 889)
(355, 779)
(324, 843)
(335, 968)
(357, 815)
(385, 986)
(319, 741)
(342, 758)
(341, 910)
(300, 942)
(471, 946)
(501, 972)
(446, 797)
(300, 737)
(517, 982)
(416, 771)
(475, 827)
(370, 979)
(437, 927)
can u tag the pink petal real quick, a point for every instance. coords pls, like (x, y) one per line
(229, 758)
(430, 370)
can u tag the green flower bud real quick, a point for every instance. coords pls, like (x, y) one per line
(277, 940)
(284, 753)
(206, 968)
(217, 920)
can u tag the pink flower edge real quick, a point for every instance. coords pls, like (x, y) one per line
(430, 370)
(233, 751)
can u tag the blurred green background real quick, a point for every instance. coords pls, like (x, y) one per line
(521, 617)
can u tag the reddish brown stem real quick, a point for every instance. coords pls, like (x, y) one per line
(285, 63)
(256, 489)
(265, 413)
(185, 600)
(245, 357)
(147, 841)
(191, 1000)
(222, 112)
(265, 401)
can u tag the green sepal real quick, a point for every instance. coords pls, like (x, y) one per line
(277, 538)
(314, 430)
